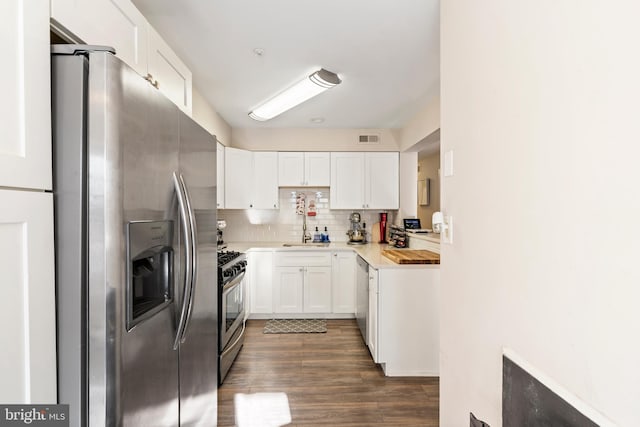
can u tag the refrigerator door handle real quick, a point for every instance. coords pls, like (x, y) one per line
(194, 257)
(188, 272)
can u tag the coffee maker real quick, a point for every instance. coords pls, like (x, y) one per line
(357, 233)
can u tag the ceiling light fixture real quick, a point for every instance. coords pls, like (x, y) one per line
(305, 89)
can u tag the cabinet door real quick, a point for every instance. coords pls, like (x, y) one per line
(317, 289)
(290, 169)
(168, 72)
(116, 23)
(220, 175)
(287, 289)
(238, 178)
(347, 181)
(382, 181)
(265, 180)
(343, 282)
(27, 306)
(372, 319)
(25, 109)
(317, 169)
(260, 266)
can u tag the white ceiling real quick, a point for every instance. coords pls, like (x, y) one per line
(386, 53)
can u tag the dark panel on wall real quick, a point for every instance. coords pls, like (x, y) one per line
(526, 402)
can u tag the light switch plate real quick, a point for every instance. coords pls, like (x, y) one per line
(448, 163)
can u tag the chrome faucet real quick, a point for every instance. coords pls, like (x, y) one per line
(306, 237)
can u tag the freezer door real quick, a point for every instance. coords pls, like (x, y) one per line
(199, 347)
(133, 140)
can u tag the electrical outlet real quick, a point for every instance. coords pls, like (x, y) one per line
(447, 233)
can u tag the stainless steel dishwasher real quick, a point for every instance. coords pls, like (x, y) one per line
(362, 296)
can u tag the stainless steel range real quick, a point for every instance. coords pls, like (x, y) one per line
(231, 270)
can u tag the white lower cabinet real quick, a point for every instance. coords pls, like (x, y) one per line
(288, 285)
(408, 306)
(27, 306)
(302, 289)
(372, 318)
(317, 290)
(343, 282)
(302, 282)
(260, 267)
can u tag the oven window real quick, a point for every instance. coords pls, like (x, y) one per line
(234, 306)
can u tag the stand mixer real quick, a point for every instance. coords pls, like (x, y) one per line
(357, 233)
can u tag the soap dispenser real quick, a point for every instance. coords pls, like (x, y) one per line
(316, 236)
(325, 236)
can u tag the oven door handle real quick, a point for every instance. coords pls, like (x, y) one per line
(231, 346)
(232, 284)
(194, 258)
(188, 272)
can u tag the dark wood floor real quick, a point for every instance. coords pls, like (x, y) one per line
(329, 379)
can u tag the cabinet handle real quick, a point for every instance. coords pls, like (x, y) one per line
(250, 206)
(274, 205)
(301, 270)
(153, 82)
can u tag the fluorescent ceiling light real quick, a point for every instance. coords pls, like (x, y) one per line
(309, 87)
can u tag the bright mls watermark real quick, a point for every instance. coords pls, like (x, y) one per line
(34, 415)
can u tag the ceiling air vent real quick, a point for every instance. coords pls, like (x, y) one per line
(369, 139)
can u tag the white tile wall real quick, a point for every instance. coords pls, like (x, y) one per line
(284, 225)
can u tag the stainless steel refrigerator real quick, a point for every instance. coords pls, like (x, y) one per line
(135, 221)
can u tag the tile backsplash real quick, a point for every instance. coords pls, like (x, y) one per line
(284, 225)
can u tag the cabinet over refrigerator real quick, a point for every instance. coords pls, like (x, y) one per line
(135, 218)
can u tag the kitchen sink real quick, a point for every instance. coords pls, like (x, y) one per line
(305, 245)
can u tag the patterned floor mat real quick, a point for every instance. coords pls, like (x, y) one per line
(295, 326)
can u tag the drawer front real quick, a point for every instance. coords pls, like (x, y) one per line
(303, 259)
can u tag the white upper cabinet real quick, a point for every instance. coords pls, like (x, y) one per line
(115, 23)
(119, 24)
(290, 169)
(347, 181)
(250, 179)
(238, 178)
(168, 73)
(382, 180)
(220, 175)
(317, 169)
(265, 180)
(365, 180)
(304, 169)
(25, 109)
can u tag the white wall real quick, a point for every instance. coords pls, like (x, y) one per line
(208, 118)
(408, 187)
(540, 106)
(308, 139)
(423, 124)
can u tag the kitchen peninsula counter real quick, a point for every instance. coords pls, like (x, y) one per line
(400, 302)
(371, 252)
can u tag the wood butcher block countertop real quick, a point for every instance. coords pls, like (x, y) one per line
(411, 256)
